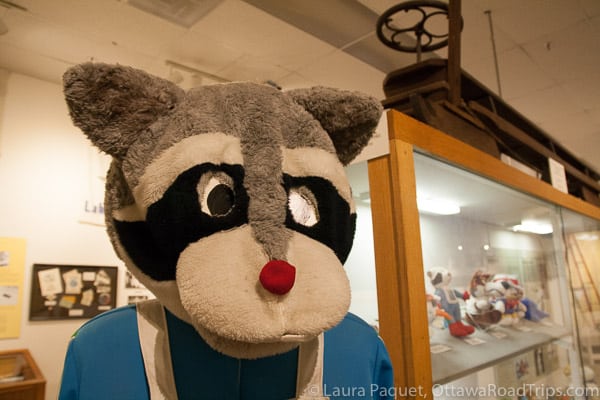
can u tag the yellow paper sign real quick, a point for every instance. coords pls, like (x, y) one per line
(12, 271)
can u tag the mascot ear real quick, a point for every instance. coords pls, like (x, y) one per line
(349, 118)
(111, 104)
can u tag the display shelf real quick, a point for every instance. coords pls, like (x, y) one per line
(494, 346)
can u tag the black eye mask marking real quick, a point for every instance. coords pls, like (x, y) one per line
(208, 198)
(323, 214)
(203, 200)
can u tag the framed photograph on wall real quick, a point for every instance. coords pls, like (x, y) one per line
(135, 291)
(71, 291)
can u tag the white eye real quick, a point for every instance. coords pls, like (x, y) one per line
(303, 206)
(216, 195)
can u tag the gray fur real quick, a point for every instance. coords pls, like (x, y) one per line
(134, 116)
(348, 117)
(112, 104)
(117, 195)
(240, 109)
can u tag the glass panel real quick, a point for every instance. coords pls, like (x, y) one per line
(360, 265)
(582, 236)
(497, 282)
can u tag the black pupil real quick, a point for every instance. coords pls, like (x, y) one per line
(220, 200)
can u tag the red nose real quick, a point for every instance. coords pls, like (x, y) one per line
(278, 276)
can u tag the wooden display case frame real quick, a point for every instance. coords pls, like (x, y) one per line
(33, 384)
(397, 240)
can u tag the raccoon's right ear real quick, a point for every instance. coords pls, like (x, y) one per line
(112, 104)
(349, 117)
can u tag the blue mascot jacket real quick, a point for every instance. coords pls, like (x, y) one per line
(104, 361)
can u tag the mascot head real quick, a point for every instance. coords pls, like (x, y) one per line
(229, 202)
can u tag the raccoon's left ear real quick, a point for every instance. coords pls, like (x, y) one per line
(348, 117)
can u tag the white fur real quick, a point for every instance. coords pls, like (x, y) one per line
(229, 307)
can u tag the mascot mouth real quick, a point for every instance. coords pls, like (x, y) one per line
(286, 338)
(294, 338)
(252, 350)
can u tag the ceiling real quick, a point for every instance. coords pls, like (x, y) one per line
(548, 51)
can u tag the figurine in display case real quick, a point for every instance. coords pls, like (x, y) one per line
(533, 299)
(437, 317)
(481, 310)
(449, 297)
(510, 304)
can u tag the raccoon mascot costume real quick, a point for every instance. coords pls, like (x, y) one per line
(230, 203)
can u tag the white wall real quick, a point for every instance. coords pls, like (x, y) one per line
(43, 181)
(441, 236)
(45, 178)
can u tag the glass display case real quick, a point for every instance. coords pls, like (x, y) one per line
(504, 249)
(486, 276)
(20, 377)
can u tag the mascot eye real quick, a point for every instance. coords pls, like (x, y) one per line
(216, 195)
(303, 206)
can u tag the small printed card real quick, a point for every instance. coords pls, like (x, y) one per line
(439, 348)
(474, 341)
(523, 328)
(498, 334)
